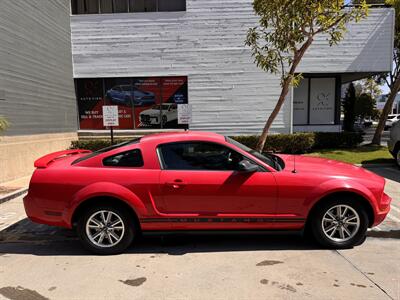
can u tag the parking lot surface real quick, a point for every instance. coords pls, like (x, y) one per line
(42, 262)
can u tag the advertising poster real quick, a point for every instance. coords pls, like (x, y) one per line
(120, 92)
(148, 99)
(174, 92)
(90, 103)
(300, 103)
(143, 102)
(322, 101)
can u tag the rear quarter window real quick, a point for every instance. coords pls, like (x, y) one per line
(127, 159)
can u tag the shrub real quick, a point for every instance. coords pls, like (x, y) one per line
(4, 124)
(93, 145)
(304, 142)
(296, 143)
(326, 140)
(285, 143)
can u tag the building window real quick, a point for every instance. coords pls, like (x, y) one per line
(143, 102)
(315, 101)
(171, 5)
(125, 6)
(85, 7)
(143, 5)
(113, 6)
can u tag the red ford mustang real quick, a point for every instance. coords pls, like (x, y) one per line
(201, 181)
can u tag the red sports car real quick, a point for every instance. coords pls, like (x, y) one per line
(201, 181)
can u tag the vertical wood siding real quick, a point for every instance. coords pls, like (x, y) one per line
(36, 82)
(206, 43)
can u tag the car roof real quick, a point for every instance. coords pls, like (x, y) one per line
(182, 136)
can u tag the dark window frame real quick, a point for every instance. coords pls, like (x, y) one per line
(338, 84)
(162, 163)
(105, 150)
(74, 4)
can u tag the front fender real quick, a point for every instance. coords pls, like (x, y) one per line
(105, 189)
(340, 185)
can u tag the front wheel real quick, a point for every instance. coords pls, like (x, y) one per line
(340, 224)
(106, 230)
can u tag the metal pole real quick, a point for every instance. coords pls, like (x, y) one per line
(112, 135)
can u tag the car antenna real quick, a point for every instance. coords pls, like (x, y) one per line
(294, 164)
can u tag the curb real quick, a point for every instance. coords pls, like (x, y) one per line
(13, 195)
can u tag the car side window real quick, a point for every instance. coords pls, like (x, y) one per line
(199, 156)
(131, 159)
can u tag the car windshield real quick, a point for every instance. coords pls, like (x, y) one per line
(164, 107)
(127, 88)
(272, 160)
(390, 117)
(107, 149)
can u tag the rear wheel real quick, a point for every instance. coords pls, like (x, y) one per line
(106, 230)
(340, 224)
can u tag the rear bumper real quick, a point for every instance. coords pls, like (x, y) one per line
(42, 215)
(384, 209)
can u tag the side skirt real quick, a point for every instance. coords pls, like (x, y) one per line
(222, 232)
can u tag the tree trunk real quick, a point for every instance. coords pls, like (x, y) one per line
(386, 111)
(285, 90)
(282, 97)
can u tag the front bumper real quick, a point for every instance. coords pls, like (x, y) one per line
(150, 120)
(384, 209)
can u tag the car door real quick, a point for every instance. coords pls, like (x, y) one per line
(201, 178)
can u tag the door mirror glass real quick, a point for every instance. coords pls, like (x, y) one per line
(247, 166)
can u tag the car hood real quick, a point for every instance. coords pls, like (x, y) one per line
(329, 167)
(153, 112)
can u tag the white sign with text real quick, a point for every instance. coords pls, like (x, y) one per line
(322, 101)
(184, 113)
(110, 115)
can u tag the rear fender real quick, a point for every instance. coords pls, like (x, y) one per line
(105, 189)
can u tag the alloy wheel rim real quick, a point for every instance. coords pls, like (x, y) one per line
(105, 229)
(340, 223)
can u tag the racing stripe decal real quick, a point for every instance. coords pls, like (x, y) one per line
(223, 220)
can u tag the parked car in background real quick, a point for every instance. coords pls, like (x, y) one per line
(129, 95)
(166, 112)
(394, 142)
(363, 123)
(190, 181)
(391, 120)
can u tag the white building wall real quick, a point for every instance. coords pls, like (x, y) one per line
(228, 92)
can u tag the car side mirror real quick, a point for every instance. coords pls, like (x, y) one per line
(247, 166)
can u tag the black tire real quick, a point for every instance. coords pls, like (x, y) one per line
(322, 238)
(129, 233)
(396, 154)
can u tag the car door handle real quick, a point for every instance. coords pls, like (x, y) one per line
(176, 184)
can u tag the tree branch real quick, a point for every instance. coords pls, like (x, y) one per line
(332, 25)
